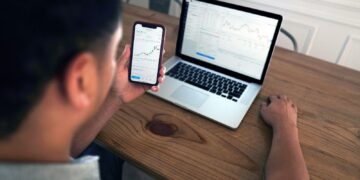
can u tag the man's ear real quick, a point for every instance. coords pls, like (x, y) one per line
(81, 81)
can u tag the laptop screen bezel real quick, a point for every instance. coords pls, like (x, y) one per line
(218, 68)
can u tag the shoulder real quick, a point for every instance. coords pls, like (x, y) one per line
(82, 168)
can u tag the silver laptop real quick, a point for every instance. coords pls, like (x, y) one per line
(222, 55)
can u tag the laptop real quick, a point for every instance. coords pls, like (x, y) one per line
(222, 55)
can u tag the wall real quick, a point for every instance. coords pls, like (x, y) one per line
(326, 29)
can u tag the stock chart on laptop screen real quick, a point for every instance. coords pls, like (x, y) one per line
(229, 38)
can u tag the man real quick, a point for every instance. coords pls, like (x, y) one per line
(62, 81)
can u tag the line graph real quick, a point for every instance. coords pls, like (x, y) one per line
(230, 38)
(228, 30)
(154, 50)
(252, 30)
(217, 22)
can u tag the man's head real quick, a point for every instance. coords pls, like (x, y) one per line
(62, 51)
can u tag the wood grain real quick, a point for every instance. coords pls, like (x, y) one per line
(173, 143)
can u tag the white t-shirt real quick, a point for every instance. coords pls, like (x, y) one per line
(86, 167)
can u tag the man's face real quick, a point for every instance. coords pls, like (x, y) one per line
(108, 68)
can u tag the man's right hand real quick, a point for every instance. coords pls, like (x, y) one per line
(279, 112)
(125, 90)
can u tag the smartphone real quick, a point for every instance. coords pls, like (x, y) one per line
(146, 53)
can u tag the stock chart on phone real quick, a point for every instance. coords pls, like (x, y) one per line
(146, 54)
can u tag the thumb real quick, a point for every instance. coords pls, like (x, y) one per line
(124, 59)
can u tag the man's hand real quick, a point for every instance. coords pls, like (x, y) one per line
(285, 160)
(126, 90)
(279, 112)
(122, 92)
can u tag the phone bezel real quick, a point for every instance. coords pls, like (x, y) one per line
(149, 25)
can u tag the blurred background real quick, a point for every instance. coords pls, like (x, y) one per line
(325, 29)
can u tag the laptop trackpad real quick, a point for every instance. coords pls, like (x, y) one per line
(189, 96)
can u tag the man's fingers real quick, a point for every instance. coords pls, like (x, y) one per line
(146, 87)
(292, 104)
(161, 79)
(162, 70)
(124, 59)
(263, 105)
(155, 88)
(273, 98)
(284, 97)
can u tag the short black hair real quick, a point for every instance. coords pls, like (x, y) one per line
(38, 38)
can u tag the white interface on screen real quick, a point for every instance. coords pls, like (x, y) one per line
(146, 54)
(229, 38)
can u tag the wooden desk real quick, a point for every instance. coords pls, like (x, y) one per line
(328, 97)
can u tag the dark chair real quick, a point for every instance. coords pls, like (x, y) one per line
(291, 37)
(162, 6)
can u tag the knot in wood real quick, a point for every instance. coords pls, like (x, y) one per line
(161, 128)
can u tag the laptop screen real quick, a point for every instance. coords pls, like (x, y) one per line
(233, 39)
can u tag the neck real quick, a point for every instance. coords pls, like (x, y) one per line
(36, 141)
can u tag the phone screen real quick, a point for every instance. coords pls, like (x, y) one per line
(146, 53)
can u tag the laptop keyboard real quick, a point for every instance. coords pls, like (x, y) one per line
(208, 81)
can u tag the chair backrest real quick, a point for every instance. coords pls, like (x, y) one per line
(291, 37)
(162, 6)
